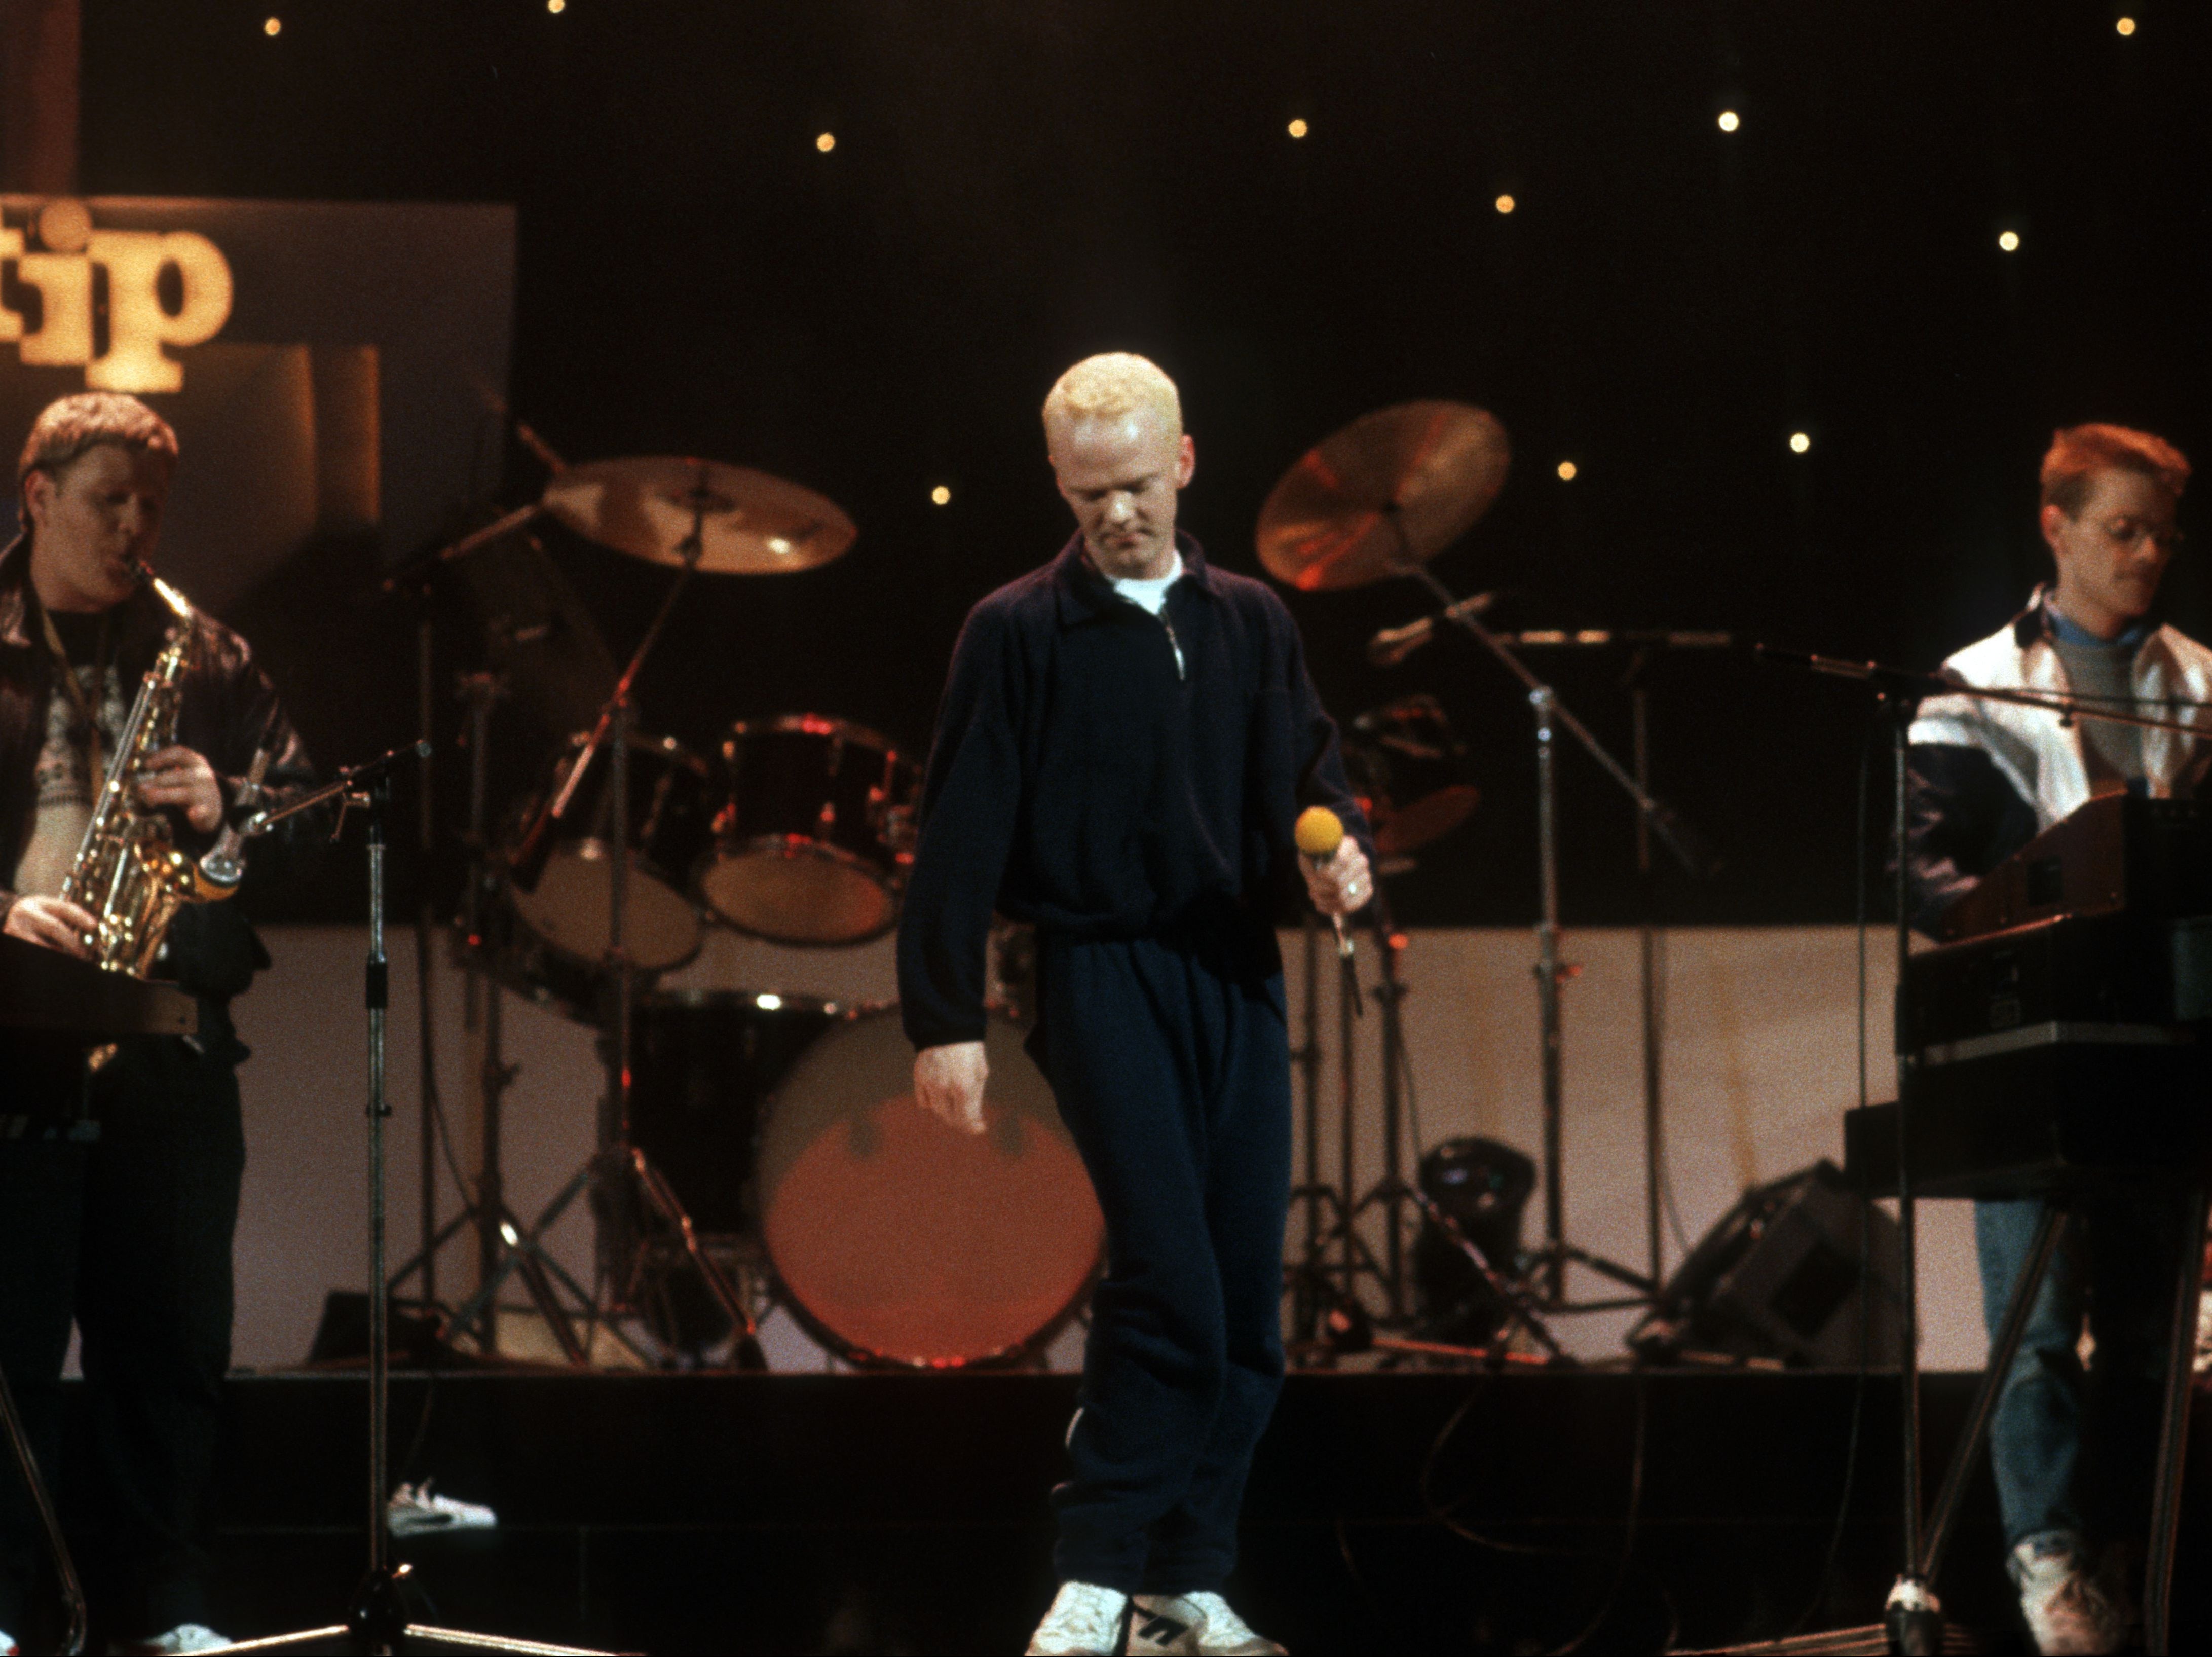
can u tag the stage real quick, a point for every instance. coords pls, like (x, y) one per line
(907, 1514)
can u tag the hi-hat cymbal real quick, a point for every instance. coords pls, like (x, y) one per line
(1393, 489)
(749, 523)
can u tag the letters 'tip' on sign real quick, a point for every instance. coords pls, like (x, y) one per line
(138, 324)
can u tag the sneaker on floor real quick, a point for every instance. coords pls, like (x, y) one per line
(184, 1637)
(1086, 1621)
(1192, 1625)
(2069, 1612)
(413, 1511)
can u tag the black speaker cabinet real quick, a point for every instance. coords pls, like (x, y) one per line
(1778, 1279)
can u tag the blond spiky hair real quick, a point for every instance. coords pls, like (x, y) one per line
(1110, 386)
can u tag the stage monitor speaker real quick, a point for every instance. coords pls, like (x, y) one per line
(1778, 1279)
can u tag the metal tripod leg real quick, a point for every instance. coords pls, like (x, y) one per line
(672, 1212)
(2173, 1433)
(1966, 1458)
(527, 1254)
(72, 1594)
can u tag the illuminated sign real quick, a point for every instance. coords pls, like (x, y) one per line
(110, 301)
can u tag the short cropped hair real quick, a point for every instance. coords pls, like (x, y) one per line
(66, 428)
(1110, 386)
(2078, 454)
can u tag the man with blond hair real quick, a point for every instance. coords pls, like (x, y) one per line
(2072, 1451)
(1125, 738)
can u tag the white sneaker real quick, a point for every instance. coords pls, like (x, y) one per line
(413, 1511)
(1086, 1621)
(1194, 1625)
(2069, 1613)
(184, 1638)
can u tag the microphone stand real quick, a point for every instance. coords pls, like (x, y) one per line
(1550, 716)
(376, 1623)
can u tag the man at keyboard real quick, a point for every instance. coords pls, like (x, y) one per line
(2072, 1445)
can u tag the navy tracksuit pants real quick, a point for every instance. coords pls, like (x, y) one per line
(1171, 1062)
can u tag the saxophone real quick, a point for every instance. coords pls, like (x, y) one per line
(128, 873)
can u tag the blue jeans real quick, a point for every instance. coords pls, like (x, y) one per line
(2074, 1452)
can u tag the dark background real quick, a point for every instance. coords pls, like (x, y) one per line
(1017, 183)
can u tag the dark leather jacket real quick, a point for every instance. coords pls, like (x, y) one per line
(227, 709)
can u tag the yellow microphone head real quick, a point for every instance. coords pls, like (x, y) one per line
(1319, 832)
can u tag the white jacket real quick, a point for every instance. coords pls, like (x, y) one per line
(2042, 758)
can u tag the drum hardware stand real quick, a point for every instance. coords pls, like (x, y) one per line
(486, 1210)
(1912, 1616)
(1391, 1193)
(1314, 1193)
(417, 577)
(1548, 1263)
(501, 1247)
(621, 1178)
(376, 1623)
(1311, 1281)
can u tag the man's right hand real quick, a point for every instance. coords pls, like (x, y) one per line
(949, 1081)
(55, 923)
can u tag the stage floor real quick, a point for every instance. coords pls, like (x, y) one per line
(1387, 1512)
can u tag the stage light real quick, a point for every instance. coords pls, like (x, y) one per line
(941, 496)
(2009, 240)
(1799, 442)
(273, 26)
(1729, 120)
(1506, 204)
(1299, 129)
(767, 1003)
(556, 7)
(826, 143)
(1568, 472)
(2125, 26)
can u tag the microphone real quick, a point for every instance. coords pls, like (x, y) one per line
(1319, 832)
(1393, 645)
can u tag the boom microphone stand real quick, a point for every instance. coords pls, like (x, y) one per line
(376, 1623)
(1645, 646)
(1552, 716)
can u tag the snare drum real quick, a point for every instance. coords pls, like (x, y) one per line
(565, 908)
(898, 1239)
(815, 833)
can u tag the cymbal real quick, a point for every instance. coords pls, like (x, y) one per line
(749, 523)
(1393, 489)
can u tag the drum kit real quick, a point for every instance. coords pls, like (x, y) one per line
(759, 1147)
(753, 1146)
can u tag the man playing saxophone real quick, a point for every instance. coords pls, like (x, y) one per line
(119, 1187)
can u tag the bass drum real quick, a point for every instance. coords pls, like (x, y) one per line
(898, 1239)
